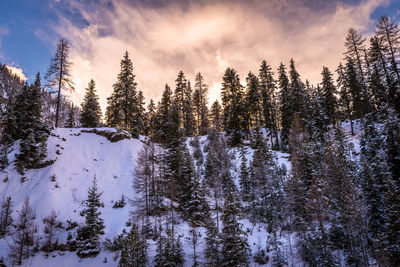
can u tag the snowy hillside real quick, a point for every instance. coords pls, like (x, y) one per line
(63, 185)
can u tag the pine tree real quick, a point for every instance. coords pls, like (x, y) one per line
(347, 233)
(164, 131)
(71, 118)
(374, 173)
(305, 158)
(216, 119)
(246, 188)
(123, 105)
(380, 79)
(345, 98)
(268, 89)
(392, 143)
(32, 130)
(329, 95)
(91, 112)
(134, 250)
(235, 249)
(389, 33)
(217, 168)
(286, 111)
(252, 108)
(232, 102)
(200, 104)
(355, 46)
(151, 124)
(359, 103)
(59, 73)
(10, 129)
(88, 238)
(194, 206)
(267, 184)
(211, 251)
(297, 90)
(392, 231)
(189, 120)
(169, 251)
(5, 216)
(141, 113)
(317, 119)
(183, 96)
(356, 72)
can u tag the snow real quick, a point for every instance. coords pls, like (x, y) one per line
(81, 156)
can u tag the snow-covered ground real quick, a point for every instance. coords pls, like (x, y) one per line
(63, 186)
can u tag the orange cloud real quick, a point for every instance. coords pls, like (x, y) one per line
(207, 37)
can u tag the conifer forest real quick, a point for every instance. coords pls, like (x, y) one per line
(277, 170)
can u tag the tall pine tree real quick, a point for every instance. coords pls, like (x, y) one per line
(91, 112)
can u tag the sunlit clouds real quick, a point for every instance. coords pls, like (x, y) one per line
(17, 71)
(206, 37)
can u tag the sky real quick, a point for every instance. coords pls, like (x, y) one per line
(166, 36)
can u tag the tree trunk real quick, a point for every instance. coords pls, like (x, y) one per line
(59, 90)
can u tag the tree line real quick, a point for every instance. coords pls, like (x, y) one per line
(342, 205)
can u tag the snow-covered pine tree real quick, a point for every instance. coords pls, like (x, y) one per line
(194, 205)
(267, 188)
(88, 239)
(123, 108)
(91, 112)
(246, 187)
(70, 123)
(235, 249)
(211, 252)
(348, 231)
(169, 251)
(32, 130)
(197, 153)
(134, 250)
(374, 174)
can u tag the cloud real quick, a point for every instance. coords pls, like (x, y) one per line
(17, 71)
(206, 37)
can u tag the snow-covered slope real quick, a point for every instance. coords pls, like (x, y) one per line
(79, 157)
(63, 186)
